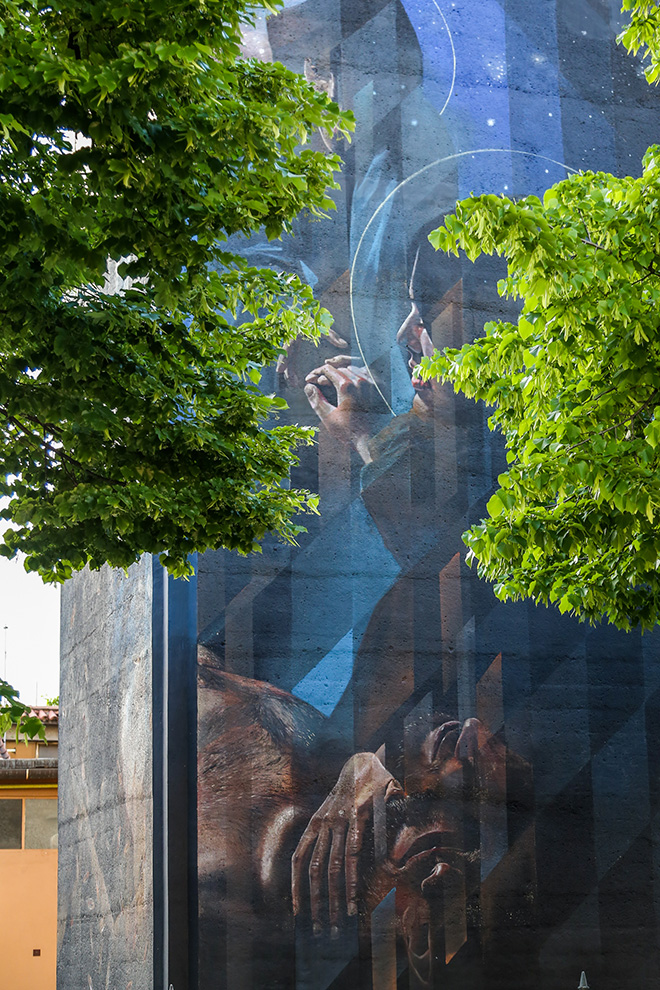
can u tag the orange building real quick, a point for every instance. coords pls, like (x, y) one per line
(28, 858)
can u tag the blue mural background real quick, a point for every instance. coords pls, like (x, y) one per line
(535, 827)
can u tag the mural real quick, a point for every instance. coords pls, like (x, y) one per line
(402, 782)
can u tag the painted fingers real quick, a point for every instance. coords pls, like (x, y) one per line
(325, 869)
(288, 361)
(350, 382)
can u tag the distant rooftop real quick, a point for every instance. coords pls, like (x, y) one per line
(22, 771)
(46, 713)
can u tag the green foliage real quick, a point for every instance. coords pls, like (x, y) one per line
(643, 34)
(575, 385)
(133, 421)
(15, 716)
(53, 702)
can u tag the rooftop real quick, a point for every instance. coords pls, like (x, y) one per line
(22, 771)
(49, 714)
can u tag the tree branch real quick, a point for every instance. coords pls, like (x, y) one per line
(590, 243)
(59, 452)
(615, 426)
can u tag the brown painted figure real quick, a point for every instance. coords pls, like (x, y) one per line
(282, 867)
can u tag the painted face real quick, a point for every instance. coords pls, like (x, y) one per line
(426, 840)
(433, 846)
(434, 865)
(413, 335)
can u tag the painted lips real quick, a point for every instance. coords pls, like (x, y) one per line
(426, 859)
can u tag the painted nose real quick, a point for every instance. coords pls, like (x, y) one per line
(409, 329)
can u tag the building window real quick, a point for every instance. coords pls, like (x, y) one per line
(47, 751)
(28, 823)
(40, 824)
(11, 813)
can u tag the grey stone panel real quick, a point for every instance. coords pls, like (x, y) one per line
(105, 924)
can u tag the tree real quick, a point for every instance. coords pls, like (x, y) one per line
(575, 384)
(133, 135)
(17, 717)
(643, 33)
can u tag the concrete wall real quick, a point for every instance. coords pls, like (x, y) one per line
(371, 639)
(105, 928)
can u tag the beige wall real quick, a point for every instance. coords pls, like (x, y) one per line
(28, 881)
(21, 750)
(28, 885)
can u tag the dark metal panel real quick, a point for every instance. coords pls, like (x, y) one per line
(175, 781)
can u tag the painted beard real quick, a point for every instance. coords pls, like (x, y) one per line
(434, 863)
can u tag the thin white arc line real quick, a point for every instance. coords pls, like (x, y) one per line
(453, 54)
(404, 182)
(350, 291)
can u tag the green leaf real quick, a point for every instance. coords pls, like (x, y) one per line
(131, 420)
(573, 388)
(495, 505)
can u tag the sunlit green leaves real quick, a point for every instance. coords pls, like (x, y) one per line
(134, 421)
(16, 717)
(643, 34)
(574, 385)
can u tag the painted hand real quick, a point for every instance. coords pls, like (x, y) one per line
(350, 420)
(331, 844)
(287, 363)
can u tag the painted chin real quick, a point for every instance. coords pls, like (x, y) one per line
(420, 386)
(424, 394)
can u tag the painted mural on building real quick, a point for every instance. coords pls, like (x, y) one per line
(402, 782)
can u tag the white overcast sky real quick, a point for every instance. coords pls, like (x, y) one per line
(31, 612)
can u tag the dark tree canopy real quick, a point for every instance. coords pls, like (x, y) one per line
(133, 135)
(574, 384)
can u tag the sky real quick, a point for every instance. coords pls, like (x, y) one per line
(30, 611)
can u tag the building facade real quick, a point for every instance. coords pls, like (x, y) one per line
(344, 764)
(28, 858)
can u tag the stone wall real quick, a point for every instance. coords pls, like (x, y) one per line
(105, 931)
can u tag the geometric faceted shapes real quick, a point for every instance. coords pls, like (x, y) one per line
(383, 943)
(560, 727)
(490, 709)
(324, 685)
(620, 792)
